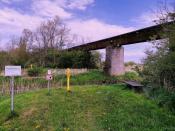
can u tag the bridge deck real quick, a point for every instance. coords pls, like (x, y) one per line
(142, 35)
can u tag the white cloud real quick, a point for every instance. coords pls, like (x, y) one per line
(74, 4)
(13, 22)
(148, 18)
(50, 8)
(136, 52)
(94, 29)
(10, 1)
(79, 4)
(145, 19)
(14, 18)
(47, 8)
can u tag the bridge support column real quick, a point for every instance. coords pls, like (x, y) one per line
(114, 64)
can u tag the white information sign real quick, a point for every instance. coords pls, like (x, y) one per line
(12, 70)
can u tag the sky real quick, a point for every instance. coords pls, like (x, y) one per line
(89, 19)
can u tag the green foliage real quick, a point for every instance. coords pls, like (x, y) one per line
(78, 59)
(130, 76)
(4, 59)
(162, 97)
(92, 108)
(91, 77)
(19, 56)
(130, 63)
(159, 66)
(53, 59)
(35, 71)
(98, 77)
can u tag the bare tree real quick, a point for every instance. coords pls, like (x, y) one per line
(52, 34)
(28, 39)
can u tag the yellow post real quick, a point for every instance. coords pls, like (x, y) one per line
(68, 84)
(68, 79)
(31, 66)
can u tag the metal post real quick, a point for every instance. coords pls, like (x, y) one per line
(48, 86)
(12, 93)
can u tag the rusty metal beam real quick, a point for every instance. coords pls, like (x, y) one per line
(142, 35)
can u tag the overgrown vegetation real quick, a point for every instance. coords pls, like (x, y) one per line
(25, 84)
(159, 66)
(98, 77)
(91, 77)
(78, 59)
(162, 97)
(35, 71)
(130, 76)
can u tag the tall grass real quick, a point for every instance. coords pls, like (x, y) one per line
(23, 84)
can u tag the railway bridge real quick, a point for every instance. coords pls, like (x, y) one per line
(114, 64)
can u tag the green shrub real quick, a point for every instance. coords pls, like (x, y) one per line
(91, 77)
(130, 76)
(162, 97)
(78, 59)
(36, 71)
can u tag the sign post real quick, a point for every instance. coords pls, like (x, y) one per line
(12, 71)
(49, 78)
(12, 93)
(68, 73)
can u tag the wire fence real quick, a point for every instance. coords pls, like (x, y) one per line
(25, 84)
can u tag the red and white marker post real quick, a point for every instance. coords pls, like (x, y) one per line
(49, 78)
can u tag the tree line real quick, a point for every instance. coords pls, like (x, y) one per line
(44, 47)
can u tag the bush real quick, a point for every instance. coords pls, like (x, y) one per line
(78, 59)
(90, 78)
(36, 71)
(162, 97)
(130, 76)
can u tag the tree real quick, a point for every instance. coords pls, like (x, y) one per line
(4, 59)
(78, 59)
(51, 35)
(18, 50)
(159, 65)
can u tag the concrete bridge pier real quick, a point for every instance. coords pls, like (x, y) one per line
(114, 64)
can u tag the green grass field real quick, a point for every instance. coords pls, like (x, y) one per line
(87, 108)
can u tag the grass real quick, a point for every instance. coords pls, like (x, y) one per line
(87, 108)
(91, 77)
(97, 77)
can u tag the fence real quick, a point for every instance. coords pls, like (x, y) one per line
(73, 71)
(27, 84)
(24, 84)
